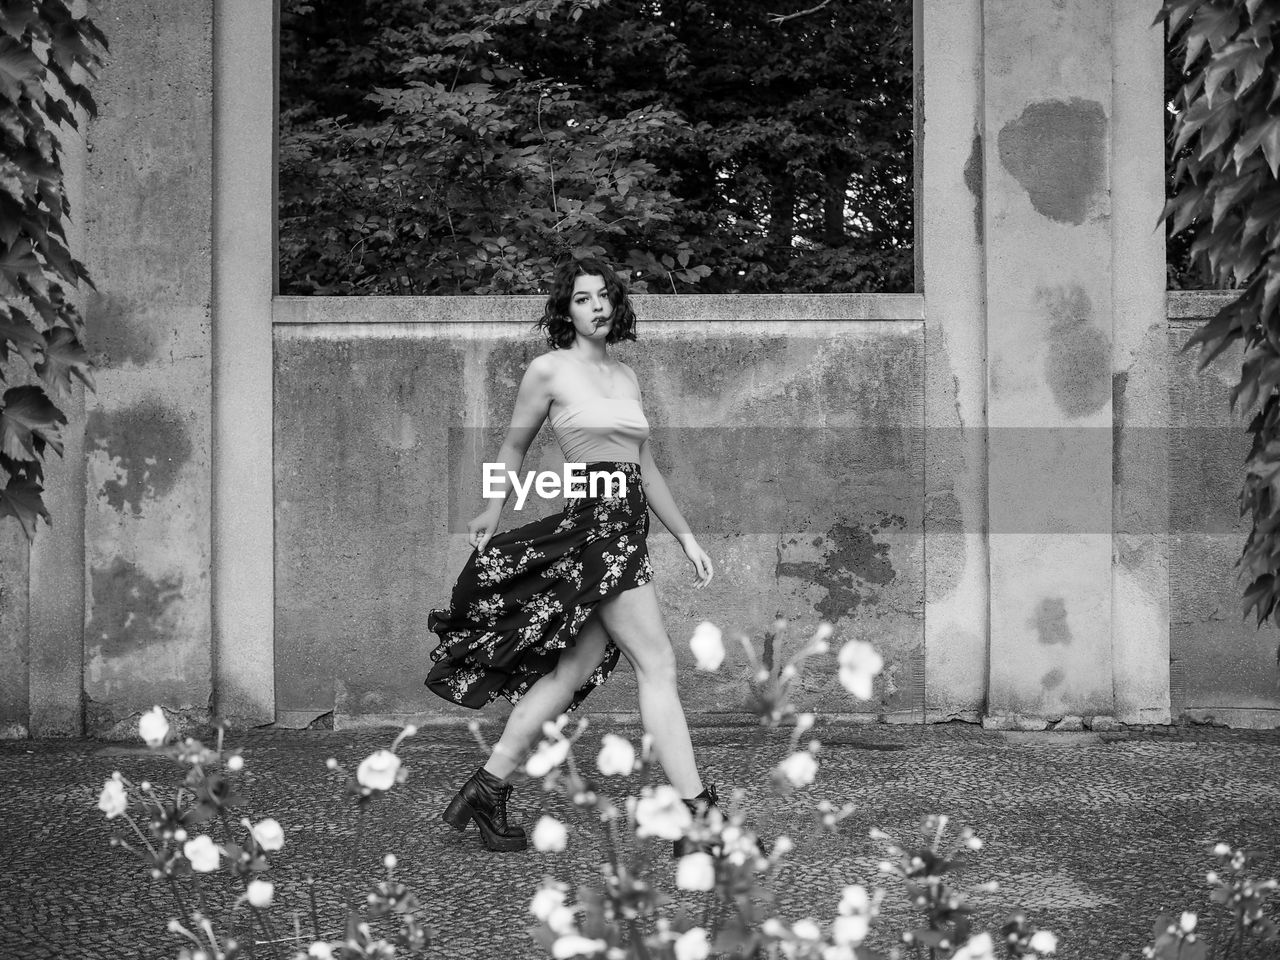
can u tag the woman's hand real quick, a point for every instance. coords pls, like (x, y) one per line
(703, 571)
(482, 528)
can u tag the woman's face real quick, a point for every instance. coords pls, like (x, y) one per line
(590, 311)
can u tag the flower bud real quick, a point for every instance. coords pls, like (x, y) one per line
(260, 894)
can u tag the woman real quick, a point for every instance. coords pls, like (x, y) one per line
(540, 613)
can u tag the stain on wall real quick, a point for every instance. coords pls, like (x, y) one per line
(852, 564)
(1050, 622)
(1057, 151)
(116, 335)
(131, 610)
(973, 180)
(1078, 361)
(148, 445)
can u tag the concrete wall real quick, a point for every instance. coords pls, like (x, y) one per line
(1012, 481)
(794, 450)
(1223, 668)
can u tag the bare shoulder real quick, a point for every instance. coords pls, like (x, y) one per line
(543, 367)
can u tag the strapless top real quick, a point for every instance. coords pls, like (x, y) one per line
(606, 428)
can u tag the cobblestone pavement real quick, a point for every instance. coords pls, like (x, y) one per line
(1093, 835)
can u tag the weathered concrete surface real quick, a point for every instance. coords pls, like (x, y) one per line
(14, 650)
(1223, 668)
(1140, 372)
(244, 266)
(796, 458)
(148, 189)
(1047, 76)
(949, 238)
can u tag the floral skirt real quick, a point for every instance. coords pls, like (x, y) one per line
(526, 598)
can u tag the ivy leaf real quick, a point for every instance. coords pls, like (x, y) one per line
(64, 358)
(19, 261)
(17, 330)
(1270, 142)
(21, 499)
(29, 420)
(18, 66)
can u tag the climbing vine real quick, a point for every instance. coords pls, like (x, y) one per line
(48, 50)
(1227, 191)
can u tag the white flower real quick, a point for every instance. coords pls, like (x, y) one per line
(850, 929)
(804, 721)
(113, 800)
(707, 646)
(978, 948)
(378, 770)
(1042, 941)
(389, 861)
(203, 854)
(799, 769)
(268, 834)
(561, 921)
(1221, 849)
(696, 871)
(320, 951)
(550, 835)
(854, 900)
(661, 813)
(235, 763)
(806, 929)
(545, 900)
(692, 945)
(859, 664)
(783, 845)
(575, 945)
(153, 727)
(1187, 924)
(617, 757)
(549, 755)
(260, 893)
(839, 951)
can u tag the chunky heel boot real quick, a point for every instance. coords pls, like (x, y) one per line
(483, 799)
(699, 807)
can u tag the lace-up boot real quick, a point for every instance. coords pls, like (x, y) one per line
(700, 806)
(483, 799)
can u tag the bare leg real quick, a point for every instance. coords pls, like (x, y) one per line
(634, 621)
(549, 697)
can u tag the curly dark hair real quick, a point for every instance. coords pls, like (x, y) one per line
(555, 318)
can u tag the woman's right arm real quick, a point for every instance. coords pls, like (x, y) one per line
(532, 401)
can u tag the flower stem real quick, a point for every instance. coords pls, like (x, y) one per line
(315, 914)
(348, 913)
(268, 931)
(177, 895)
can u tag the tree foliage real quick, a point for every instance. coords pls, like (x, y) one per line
(47, 52)
(466, 145)
(1228, 188)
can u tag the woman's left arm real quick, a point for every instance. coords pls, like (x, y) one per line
(664, 505)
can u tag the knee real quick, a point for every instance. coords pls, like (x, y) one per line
(657, 663)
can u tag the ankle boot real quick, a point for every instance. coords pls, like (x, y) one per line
(699, 807)
(483, 799)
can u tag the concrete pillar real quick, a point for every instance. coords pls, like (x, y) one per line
(1047, 126)
(243, 282)
(949, 235)
(1140, 378)
(148, 187)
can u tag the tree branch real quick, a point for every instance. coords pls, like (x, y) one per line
(778, 18)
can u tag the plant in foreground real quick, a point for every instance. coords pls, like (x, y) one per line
(629, 917)
(177, 851)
